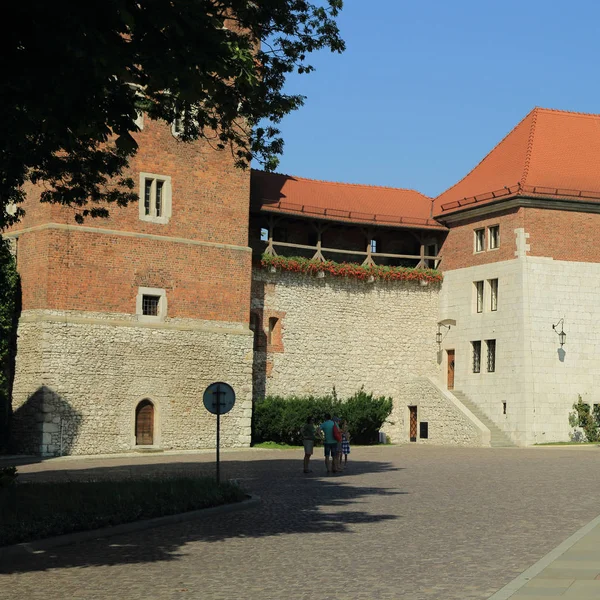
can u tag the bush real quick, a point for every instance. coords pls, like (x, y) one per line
(279, 419)
(588, 421)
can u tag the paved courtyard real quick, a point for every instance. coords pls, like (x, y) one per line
(408, 522)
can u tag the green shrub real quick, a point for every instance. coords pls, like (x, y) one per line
(586, 419)
(279, 419)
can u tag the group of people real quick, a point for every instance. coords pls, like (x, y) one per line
(336, 442)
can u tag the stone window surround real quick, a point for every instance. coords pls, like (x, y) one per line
(276, 344)
(157, 414)
(166, 199)
(162, 304)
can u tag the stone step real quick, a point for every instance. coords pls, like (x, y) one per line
(498, 439)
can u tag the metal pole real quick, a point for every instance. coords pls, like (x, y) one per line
(218, 394)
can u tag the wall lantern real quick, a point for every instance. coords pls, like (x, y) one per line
(446, 323)
(562, 336)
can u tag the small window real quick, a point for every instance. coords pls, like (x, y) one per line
(264, 234)
(491, 355)
(272, 326)
(177, 127)
(494, 237)
(139, 120)
(479, 296)
(155, 198)
(479, 240)
(151, 304)
(504, 408)
(373, 245)
(476, 356)
(493, 294)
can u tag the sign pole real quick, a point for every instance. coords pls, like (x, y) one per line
(218, 395)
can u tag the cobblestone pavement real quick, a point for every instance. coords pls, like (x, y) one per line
(409, 522)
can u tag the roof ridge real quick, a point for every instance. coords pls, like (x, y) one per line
(489, 153)
(533, 114)
(362, 185)
(567, 112)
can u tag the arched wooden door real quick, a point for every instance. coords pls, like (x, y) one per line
(144, 423)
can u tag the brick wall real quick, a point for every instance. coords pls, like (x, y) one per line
(458, 249)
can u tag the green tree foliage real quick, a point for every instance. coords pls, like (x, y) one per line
(76, 73)
(278, 419)
(588, 420)
(9, 310)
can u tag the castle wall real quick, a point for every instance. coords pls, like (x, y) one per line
(81, 375)
(346, 333)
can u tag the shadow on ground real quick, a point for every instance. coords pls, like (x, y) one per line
(291, 503)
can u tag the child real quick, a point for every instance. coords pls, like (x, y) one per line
(345, 442)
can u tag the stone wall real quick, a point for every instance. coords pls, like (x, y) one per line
(345, 333)
(85, 373)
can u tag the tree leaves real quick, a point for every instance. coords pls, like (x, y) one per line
(77, 73)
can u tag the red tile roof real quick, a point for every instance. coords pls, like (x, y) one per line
(549, 153)
(273, 192)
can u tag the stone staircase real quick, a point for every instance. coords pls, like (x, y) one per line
(498, 438)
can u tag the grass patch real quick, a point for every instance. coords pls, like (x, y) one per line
(30, 511)
(568, 444)
(276, 446)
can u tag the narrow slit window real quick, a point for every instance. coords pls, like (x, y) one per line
(493, 294)
(491, 355)
(264, 234)
(159, 197)
(476, 356)
(272, 325)
(479, 296)
(373, 244)
(147, 195)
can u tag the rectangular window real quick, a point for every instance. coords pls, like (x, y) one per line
(476, 356)
(493, 294)
(155, 198)
(479, 296)
(494, 237)
(479, 240)
(491, 355)
(264, 234)
(150, 305)
(373, 244)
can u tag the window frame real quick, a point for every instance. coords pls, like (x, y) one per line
(166, 198)
(476, 352)
(162, 304)
(495, 237)
(479, 296)
(493, 294)
(476, 234)
(491, 355)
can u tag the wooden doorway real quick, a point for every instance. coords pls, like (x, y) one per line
(450, 369)
(144, 423)
(413, 423)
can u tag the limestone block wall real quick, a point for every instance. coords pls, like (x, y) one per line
(80, 376)
(509, 381)
(346, 333)
(569, 290)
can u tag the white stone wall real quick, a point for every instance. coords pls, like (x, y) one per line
(347, 333)
(533, 376)
(85, 373)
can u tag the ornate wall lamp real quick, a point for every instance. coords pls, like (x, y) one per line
(439, 336)
(562, 336)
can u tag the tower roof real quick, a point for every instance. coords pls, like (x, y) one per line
(549, 153)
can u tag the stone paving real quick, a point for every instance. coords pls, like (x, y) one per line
(409, 522)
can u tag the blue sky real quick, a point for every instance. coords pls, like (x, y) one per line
(426, 89)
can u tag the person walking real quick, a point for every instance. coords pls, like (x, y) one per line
(309, 432)
(329, 443)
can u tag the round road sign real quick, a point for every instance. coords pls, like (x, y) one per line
(223, 394)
